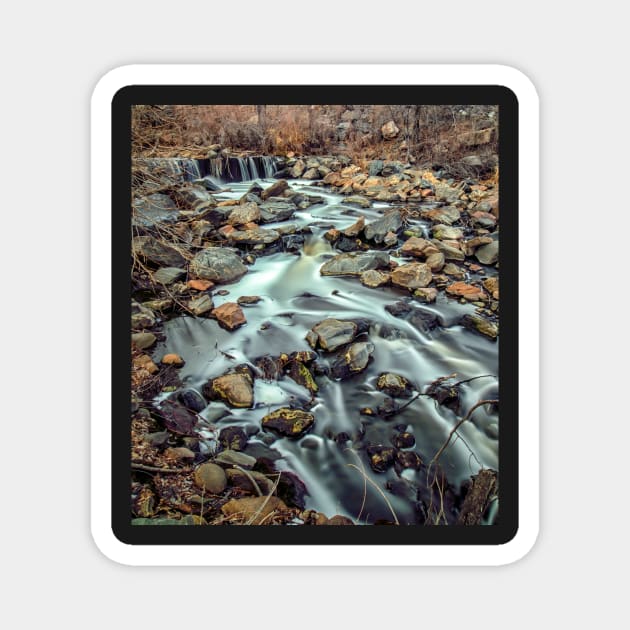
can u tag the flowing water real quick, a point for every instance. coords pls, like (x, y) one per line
(294, 298)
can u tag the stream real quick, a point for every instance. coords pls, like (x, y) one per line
(294, 298)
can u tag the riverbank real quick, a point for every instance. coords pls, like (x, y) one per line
(313, 340)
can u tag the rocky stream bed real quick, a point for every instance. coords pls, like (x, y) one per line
(311, 348)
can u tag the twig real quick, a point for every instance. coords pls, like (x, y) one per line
(389, 505)
(251, 478)
(157, 469)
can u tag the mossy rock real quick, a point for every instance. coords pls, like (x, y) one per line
(289, 422)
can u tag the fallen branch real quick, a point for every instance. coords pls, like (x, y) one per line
(157, 469)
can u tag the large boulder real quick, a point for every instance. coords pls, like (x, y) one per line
(377, 230)
(152, 209)
(217, 264)
(355, 263)
(276, 209)
(334, 333)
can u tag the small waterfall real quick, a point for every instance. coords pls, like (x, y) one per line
(242, 164)
(189, 168)
(252, 168)
(269, 165)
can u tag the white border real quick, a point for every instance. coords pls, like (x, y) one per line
(315, 555)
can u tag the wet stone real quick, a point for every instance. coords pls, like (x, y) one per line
(394, 385)
(217, 264)
(231, 458)
(200, 305)
(192, 399)
(481, 325)
(355, 263)
(354, 360)
(404, 440)
(235, 389)
(233, 438)
(248, 299)
(230, 315)
(333, 333)
(172, 359)
(380, 457)
(289, 422)
(412, 275)
(177, 418)
(408, 459)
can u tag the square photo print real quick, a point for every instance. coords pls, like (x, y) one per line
(314, 325)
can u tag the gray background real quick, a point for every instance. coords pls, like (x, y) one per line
(52, 54)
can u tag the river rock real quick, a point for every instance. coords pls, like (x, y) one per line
(200, 305)
(312, 173)
(354, 360)
(211, 478)
(275, 190)
(357, 200)
(243, 214)
(298, 169)
(467, 291)
(389, 130)
(192, 399)
(354, 230)
(254, 510)
(180, 453)
(454, 271)
(200, 285)
(447, 232)
(407, 459)
(446, 215)
(488, 254)
(394, 385)
(253, 236)
(172, 359)
(492, 286)
(470, 246)
(404, 440)
(157, 252)
(177, 418)
(450, 251)
(141, 316)
(423, 249)
(153, 209)
(248, 299)
(239, 479)
(237, 389)
(444, 192)
(375, 167)
(230, 315)
(390, 222)
(276, 209)
(426, 294)
(355, 263)
(218, 264)
(289, 422)
(412, 275)
(380, 457)
(143, 340)
(373, 278)
(302, 376)
(168, 275)
(483, 219)
(334, 333)
(480, 324)
(235, 458)
(233, 438)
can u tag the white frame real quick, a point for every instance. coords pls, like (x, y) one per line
(314, 555)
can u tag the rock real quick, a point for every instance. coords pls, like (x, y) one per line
(354, 230)
(237, 389)
(471, 245)
(157, 252)
(298, 169)
(453, 270)
(491, 285)
(218, 264)
(230, 315)
(404, 440)
(447, 232)
(177, 418)
(354, 360)
(339, 520)
(412, 275)
(235, 458)
(394, 385)
(141, 316)
(192, 399)
(193, 198)
(488, 254)
(180, 454)
(246, 213)
(211, 478)
(355, 263)
(238, 479)
(302, 376)
(253, 236)
(390, 239)
(389, 130)
(143, 340)
(333, 333)
(200, 285)
(144, 362)
(426, 294)
(467, 291)
(391, 168)
(275, 190)
(444, 192)
(248, 299)
(450, 251)
(446, 215)
(408, 459)
(200, 305)
(311, 173)
(374, 279)
(398, 309)
(289, 422)
(481, 325)
(161, 304)
(483, 219)
(423, 249)
(375, 167)
(168, 275)
(172, 359)
(381, 457)
(254, 510)
(153, 209)
(276, 210)
(390, 222)
(233, 438)
(357, 200)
